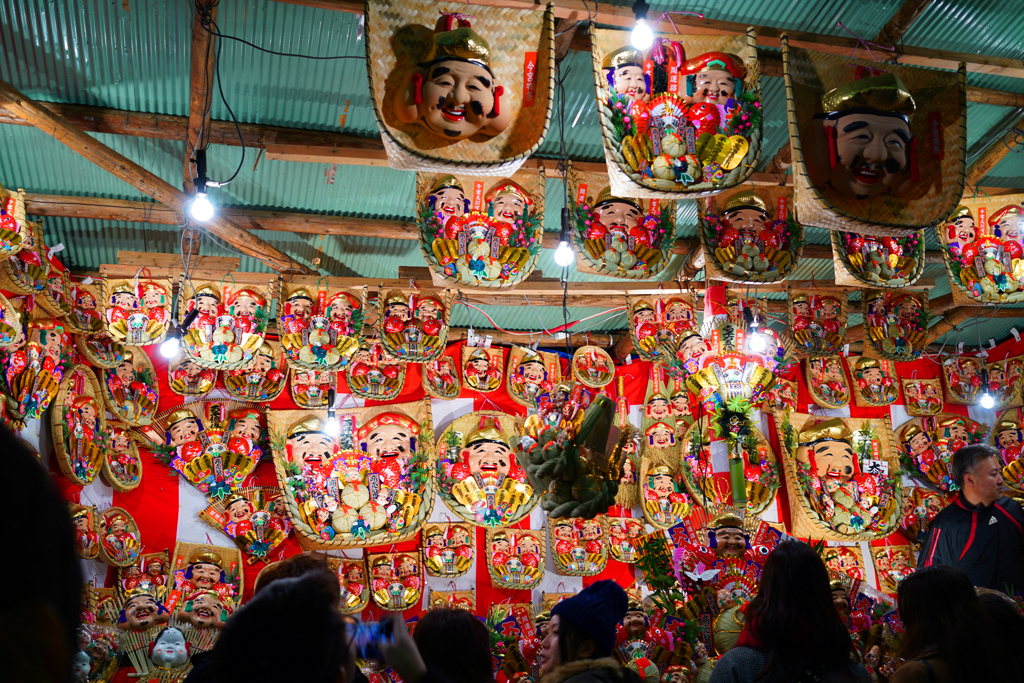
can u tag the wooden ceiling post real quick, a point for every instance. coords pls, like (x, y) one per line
(200, 91)
(137, 176)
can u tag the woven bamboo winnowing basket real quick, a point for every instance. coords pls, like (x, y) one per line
(651, 262)
(24, 271)
(515, 574)
(514, 500)
(783, 261)
(80, 447)
(122, 467)
(320, 323)
(450, 257)
(13, 226)
(627, 181)
(889, 334)
(831, 393)
(939, 125)
(968, 288)
(807, 520)
(430, 379)
(851, 269)
(527, 392)
(579, 559)
(291, 477)
(675, 312)
(812, 340)
(398, 33)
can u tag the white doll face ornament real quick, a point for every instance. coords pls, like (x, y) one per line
(170, 651)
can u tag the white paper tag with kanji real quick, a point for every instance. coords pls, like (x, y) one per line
(879, 467)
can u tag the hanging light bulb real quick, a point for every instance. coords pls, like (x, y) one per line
(756, 342)
(563, 255)
(333, 426)
(171, 345)
(987, 401)
(201, 209)
(642, 37)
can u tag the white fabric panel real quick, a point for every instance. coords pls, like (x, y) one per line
(898, 415)
(191, 529)
(869, 564)
(815, 409)
(988, 417)
(445, 412)
(719, 456)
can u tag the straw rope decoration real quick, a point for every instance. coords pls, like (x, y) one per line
(929, 187)
(631, 178)
(398, 36)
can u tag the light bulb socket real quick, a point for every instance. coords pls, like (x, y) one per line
(640, 9)
(566, 225)
(748, 317)
(201, 180)
(190, 318)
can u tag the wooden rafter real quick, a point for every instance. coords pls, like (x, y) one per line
(200, 90)
(139, 177)
(995, 153)
(901, 22)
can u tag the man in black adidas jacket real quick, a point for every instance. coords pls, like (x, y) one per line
(981, 532)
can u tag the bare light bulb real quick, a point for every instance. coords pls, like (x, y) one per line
(201, 209)
(987, 401)
(170, 347)
(642, 37)
(756, 342)
(333, 426)
(563, 254)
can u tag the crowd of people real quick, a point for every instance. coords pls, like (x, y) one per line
(956, 625)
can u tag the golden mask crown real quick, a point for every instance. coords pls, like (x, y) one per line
(624, 56)
(606, 197)
(745, 200)
(828, 430)
(460, 43)
(885, 93)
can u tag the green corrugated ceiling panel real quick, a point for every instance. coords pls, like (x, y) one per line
(536, 318)
(35, 161)
(290, 91)
(368, 191)
(582, 132)
(985, 27)
(986, 327)
(980, 120)
(863, 17)
(97, 53)
(776, 129)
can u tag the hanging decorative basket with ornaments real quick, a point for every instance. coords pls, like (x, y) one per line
(13, 226)
(750, 236)
(837, 104)
(481, 232)
(682, 120)
(320, 325)
(891, 262)
(982, 247)
(817, 321)
(460, 88)
(413, 327)
(619, 236)
(229, 328)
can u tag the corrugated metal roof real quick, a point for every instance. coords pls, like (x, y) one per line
(98, 54)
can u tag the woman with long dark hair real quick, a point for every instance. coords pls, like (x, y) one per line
(455, 644)
(947, 636)
(792, 632)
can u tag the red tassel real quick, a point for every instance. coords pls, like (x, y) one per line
(417, 88)
(914, 174)
(833, 154)
(498, 92)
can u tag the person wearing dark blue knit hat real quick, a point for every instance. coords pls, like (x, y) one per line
(581, 638)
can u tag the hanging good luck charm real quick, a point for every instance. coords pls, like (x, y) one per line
(440, 378)
(228, 330)
(320, 327)
(13, 226)
(264, 380)
(897, 324)
(396, 580)
(817, 322)
(515, 558)
(185, 377)
(363, 481)
(665, 326)
(413, 327)
(137, 312)
(619, 236)
(751, 236)
(472, 237)
(477, 473)
(463, 88)
(255, 517)
(131, 389)
(78, 425)
(531, 375)
(890, 262)
(448, 549)
(374, 374)
(983, 247)
(682, 119)
(579, 546)
(841, 109)
(213, 444)
(33, 367)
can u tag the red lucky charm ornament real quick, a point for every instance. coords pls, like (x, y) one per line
(515, 558)
(374, 374)
(34, 367)
(320, 326)
(131, 389)
(412, 326)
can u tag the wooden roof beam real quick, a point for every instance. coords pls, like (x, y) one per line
(99, 208)
(200, 89)
(137, 176)
(900, 23)
(995, 153)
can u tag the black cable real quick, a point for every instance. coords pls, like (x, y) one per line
(206, 21)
